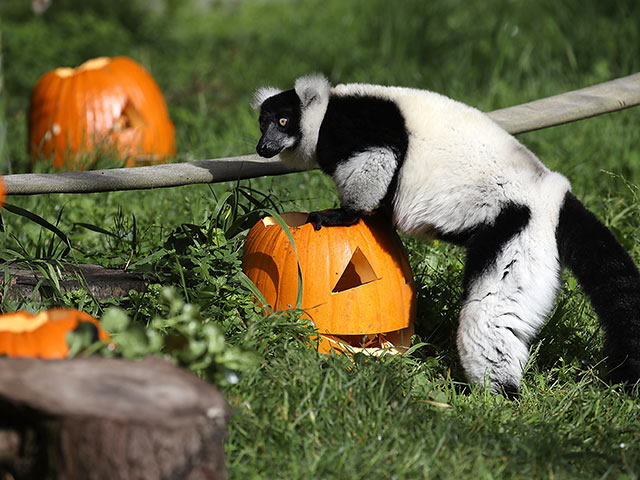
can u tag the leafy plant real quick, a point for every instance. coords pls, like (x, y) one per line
(180, 332)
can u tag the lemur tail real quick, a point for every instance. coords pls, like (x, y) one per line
(610, 278)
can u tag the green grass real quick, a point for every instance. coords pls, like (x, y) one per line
(298, 414)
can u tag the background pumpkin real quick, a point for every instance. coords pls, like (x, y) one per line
(107, 103)
(357, 283)
(42, 335)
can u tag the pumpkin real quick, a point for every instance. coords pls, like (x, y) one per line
(357, 286)
(42, 335)
(111, 104)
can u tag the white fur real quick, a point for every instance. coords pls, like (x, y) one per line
(505, 307)
(362, 182)
(313, 91)
(312, 88)
(261, 94)
(460, 167)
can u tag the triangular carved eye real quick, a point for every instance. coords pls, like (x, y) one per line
(358, 272)
(129, 118)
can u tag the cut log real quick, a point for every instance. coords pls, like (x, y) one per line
(100, 418)
(102, 282)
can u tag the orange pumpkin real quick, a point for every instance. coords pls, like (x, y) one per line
(107, 103)
(42, 335)
(357, 284)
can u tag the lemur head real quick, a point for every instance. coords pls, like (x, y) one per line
(279, 122)
(290, 120)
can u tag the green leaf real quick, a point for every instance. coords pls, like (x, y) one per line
(133, 342)
(81, 338)
(194, 350)
(115, 320)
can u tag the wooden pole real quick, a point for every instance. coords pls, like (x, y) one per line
(136, 178)
(571, 106)
(559, 109)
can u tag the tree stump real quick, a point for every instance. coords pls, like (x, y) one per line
(99, 418)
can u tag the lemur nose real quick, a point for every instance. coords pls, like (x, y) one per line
(263, 151)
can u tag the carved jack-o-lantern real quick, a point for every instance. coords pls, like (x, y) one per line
(357, 284)
(108, 103)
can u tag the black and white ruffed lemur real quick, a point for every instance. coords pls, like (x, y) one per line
(447, 170)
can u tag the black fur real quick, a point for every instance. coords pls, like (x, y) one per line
(285, 103)
(353, 124)
(331, 218)
(485, 242)
(610, 278)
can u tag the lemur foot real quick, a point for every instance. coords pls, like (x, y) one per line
(337, 217)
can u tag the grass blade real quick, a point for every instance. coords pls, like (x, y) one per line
(246, 281)
(95, 228)
(40, 221)
(285, 227)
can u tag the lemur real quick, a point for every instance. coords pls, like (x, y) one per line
(446, 170)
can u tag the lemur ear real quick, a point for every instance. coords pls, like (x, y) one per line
(261, 95)
(312, 88)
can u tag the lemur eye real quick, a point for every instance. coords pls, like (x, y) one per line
(283, 121)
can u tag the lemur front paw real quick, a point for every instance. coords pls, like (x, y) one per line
(315, 219)
(332, 218)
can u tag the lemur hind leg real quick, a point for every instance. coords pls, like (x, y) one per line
(510, 283)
